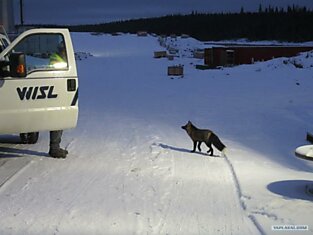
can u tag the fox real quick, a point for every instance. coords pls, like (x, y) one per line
(201, 135)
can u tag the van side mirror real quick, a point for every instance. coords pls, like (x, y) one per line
(17, 65)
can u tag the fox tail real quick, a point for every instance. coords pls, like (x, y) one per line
(217, 142)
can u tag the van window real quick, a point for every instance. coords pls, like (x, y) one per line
(43, 52)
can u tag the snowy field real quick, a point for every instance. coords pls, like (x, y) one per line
(130, 170)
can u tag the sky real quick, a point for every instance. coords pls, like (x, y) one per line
(95, 11)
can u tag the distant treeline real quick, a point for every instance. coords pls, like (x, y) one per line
(293, 24)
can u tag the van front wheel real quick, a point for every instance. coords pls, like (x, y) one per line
(29, 138)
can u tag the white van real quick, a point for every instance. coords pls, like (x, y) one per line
(36, 95)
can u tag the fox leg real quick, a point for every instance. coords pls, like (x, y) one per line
(199, 144)
(210, 151)
(194, 146)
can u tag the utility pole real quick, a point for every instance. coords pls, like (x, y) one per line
(21, 12)
(7, 15)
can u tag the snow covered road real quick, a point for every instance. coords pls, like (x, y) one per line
(130, 170)
(153, 189)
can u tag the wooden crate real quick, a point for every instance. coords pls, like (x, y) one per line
(160, 54)
(177, 70)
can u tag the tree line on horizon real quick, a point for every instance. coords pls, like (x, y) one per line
(293, 24)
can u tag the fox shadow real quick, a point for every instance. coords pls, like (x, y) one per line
(11, 152)
(183, 150)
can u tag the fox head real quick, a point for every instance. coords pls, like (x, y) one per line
(187, 126)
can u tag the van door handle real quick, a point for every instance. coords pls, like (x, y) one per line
(71, 85)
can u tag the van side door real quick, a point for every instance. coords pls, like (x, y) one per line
(38, 83)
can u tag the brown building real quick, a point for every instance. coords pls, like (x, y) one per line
(236, 55)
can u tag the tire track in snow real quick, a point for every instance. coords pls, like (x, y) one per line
(193, 189)
(70, 205)
(240, 196)
(168, 202)
(150, 219)
(13, 168)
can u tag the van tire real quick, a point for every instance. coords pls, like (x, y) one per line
(29, 138)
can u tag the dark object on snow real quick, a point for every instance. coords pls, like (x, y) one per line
(207, 136)
(309, 137)
(29, 138)
(177, 70)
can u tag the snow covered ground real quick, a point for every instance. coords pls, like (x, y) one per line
(130, 170)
